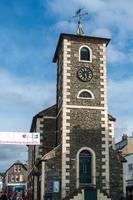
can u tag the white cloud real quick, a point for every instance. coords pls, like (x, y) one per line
(120, 104)
(20, 100)
(115, 55)
(110, 16)
(94, 6)
(10, 154)
(20, 96)
(119, 93)
(25, 88)
(60, 8)
(64, 26)
(101, 32)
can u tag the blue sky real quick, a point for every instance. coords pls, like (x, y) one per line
(29, 31)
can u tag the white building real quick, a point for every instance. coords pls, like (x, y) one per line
(128, 182)
(125, 146)
(1, 183)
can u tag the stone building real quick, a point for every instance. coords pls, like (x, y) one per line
(128, 176)
(125, 146)
(76, 159)
(16, 177)
(45, 123)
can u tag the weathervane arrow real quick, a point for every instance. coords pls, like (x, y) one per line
(79, 14)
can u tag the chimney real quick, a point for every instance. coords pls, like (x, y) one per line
(124, 137)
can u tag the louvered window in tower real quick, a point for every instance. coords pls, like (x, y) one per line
(84, 54)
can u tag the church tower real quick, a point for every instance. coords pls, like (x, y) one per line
(82, 112)
(78, 159)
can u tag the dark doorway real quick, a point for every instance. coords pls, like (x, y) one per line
(90, 194)
(85, 167)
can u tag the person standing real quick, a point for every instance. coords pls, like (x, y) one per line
(14, 197)
(4, 196)
(23, 197)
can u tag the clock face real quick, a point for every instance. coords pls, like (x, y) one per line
(84, 74)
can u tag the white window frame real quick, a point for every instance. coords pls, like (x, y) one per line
(85, 90)
(21, 178)
(130, 167)
(12, 178)
(15, 168)
(19, 168)
(17, 178)
(87, 61)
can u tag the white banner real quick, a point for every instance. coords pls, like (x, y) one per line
(20, 138)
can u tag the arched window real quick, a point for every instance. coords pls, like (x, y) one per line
(85, 54)
(85, 94)
(85, 158)
(86, 166)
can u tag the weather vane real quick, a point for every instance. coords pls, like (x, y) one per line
(79, 14)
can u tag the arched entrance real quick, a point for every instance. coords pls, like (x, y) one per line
(85, 160)
(86, 167)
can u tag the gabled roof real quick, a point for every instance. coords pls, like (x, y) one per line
(74, 37)
(50, 111)
(129, 154)
(47, 111)
(16, 163)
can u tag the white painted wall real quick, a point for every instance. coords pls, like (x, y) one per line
(1, 185)
(128, 174)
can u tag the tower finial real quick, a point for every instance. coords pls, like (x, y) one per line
(80, 29)
(79, 14)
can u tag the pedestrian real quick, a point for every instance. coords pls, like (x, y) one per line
(14, 197)
(4, 196)
(23, 197)
(9, 195)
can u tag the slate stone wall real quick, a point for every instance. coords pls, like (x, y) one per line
(85, 132)
(94, 84)
(85, 123)
(59, 128)
(53, 173)
(116, 175)
(49, 137)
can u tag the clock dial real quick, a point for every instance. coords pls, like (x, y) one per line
(85, 74)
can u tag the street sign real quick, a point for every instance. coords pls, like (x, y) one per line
(20, 138)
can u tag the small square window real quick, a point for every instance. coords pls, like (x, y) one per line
(15, 168)
(130, 167)
(17, 178)
(12, 178)
(19, 168)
